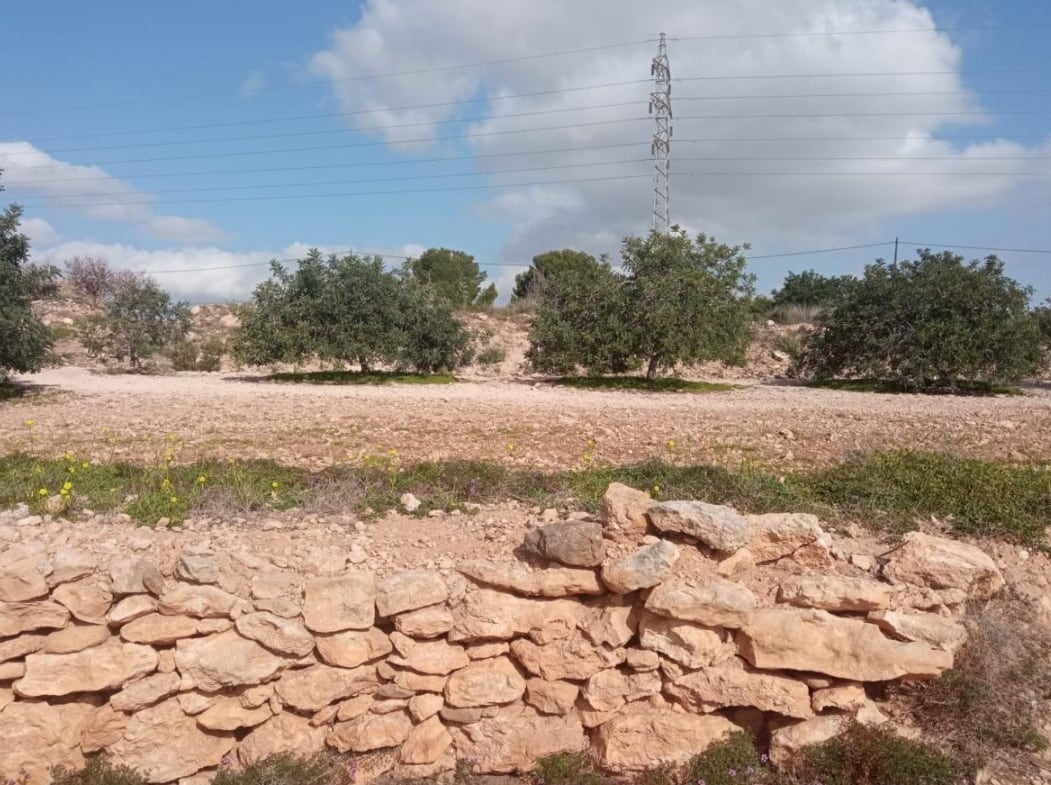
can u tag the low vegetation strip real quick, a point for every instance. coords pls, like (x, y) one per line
(360, 377)
(639, 383)
(898, 388)
(889, 491)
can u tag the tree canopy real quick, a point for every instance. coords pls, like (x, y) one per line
(933, 322)
(678, 299)
(454, 275)
(25, 342)
(349, 309)
(534, 280)
(811, 289)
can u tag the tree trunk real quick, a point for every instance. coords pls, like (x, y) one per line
(651, 370)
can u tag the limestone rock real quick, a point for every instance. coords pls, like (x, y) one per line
(576, 543)
(409, 590)
(929, 628)
(645, 739)
(718, 603)
(574, 658)
(687, 643)
(193, 703)
(371, 732)
(552, 582)
(835, 593)
(643, 660)
(719, 527)
(484, 651)
(145, 692)
(426, 705)
(485, 683)
(623, 510)
(732, 684)
(785, 742)
(197, 567)
(412, 682)
(437, 658)
(817, 641)
(610, 689)
(514, 738)
(776, 535)
(156, 629)
(352, 648)
(7, 697)
(315, 687)
(163, 744)
(941, 563)
(38, 736)
(254, 697)
(71, 564)
(103, 728)
(135, 576)
(611, 620)
(346, 602)
(88, 600)
(426, 743)
(16, 648)
(74, 638)
(486, 615)
(846, 697)
(101, 668)
(130, 608)
(283, 733)
(646, 567)
(284, 636)
(227, 714)
(19, 617)
(21, 581)
(201, 602)
(9, 671)
(225, 660)
(551, 697)
(354, 707)
(430, 622)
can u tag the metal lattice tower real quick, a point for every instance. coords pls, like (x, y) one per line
(660, 108)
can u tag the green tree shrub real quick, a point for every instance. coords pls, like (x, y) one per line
(203, 355)
(930, 323)
(349, 310)
(532, 283)
(138, 320)
(98, 770)
(90, 277)
(25, 343)
(454, 275)
(678, 300)
(810, 289)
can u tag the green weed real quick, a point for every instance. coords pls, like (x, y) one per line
(639, 383)
(358, 377)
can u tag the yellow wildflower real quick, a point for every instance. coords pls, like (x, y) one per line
(85, 465)
(275, 485)
(174, 499)
(42, 492)
(30, 423)
(202, 480)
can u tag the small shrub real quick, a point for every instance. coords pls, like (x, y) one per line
(567, 768)
(492, 355)
(287, 769)
(988, 706)
(873, 756)
(90, 277)
(183, 355)
(730, 762)
(97, 771)
(193, 356)
(788, 343)
(211, 356)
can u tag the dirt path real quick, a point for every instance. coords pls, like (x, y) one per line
(211, 415)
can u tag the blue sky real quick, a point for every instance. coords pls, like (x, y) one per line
(196, 121)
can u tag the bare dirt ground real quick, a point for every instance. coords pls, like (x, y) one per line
(524, 421)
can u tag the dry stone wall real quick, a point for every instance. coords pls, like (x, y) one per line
(643, 637)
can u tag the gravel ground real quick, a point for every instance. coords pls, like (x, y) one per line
(128, 417)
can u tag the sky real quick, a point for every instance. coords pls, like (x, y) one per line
(196, 141)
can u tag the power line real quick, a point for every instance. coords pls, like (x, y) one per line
(828, 33)
(80, 201)
(819, 251)
(851, 75)
(342, 80)
(486, 99)
(977, 247)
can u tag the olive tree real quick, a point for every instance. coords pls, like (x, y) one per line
(933, 322)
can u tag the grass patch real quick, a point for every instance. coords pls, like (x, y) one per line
(885, 490)
(639, 383)
(9, 392)
(359, 377)
(889, 387)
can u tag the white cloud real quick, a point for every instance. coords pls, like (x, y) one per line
(91, 191)
(39, 231)
(825, 201)
(253, 84)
